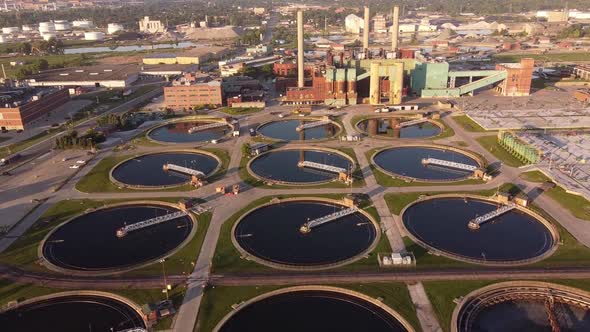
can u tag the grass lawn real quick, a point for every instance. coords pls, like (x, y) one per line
(569, 251)
(468, 124)
(24, 144)
(227, 258)
(552, 57)
(442, 294)
(23, 252)
(534, 176)
(490, 143)
(240, 110)
(447, 131)
(11, 291)
(397, 202)
(217, 301)
(387, 180)
(357, 175)
(575, 204)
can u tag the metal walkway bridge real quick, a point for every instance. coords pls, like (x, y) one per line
(184, 170)
(312, 125)
(323, 167)
(476, 223)
(207, 126)
(121, 232)
(449, 164)
(412, 122)
(306, 228)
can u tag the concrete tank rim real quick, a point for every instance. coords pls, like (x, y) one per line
(292, 289)
(291, 118)
(546, 223)
(287, 267)
(478, 159)
(113, 296)
(506, 284)
(111, 271)
(434, 122)
(186, 119)
(290, 148)
(145, 187)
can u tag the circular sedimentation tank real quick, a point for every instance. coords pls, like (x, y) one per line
(408, 162)
(523, 306)
(286, 130)
(314, 310)
(272, 235)
(389, 127)
(284, 166)
(441, 224)
(88, 243)
(147, 171)
(178, 132)
(72, 312)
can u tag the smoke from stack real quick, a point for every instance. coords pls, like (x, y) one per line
(395, 29)
(366, 30)
(300, 58)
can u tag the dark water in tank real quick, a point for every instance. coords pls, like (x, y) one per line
(529, 316)
(383, 127)
(72, 314)
(282, 165)
(147, 170)
(407, 161)
(442, 223)
(312, 311)
(178, 132)
(272, 233)
(89, 242)
(286, 130)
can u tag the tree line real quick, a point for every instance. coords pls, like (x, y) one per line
(87, 141)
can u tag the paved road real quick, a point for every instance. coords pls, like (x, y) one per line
(225, 206)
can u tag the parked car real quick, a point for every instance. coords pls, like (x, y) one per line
(75, 166)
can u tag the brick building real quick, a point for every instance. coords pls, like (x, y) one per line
(188, 96)
(519, 77)
(284, 69)
(19, 111)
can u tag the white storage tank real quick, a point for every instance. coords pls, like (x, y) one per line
(114, 27)
(9, 30)
(48, 35)
(46, 27)
(29, 28)
(62, 25)
(93, 35)
(83, 24)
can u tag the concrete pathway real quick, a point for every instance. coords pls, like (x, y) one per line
(424, 311)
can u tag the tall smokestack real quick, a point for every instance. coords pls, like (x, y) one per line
(366, 30)
(300, 58)
(395, 29)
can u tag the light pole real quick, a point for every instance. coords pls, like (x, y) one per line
(165, 282)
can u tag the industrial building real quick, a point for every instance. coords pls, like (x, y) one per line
(195, 56)
(379, 77)
(19, 108)
(108, 76)
(193, 89)
(151, 26)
